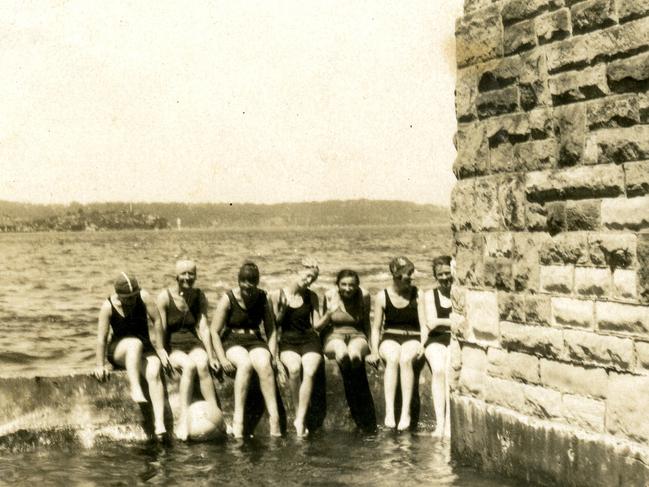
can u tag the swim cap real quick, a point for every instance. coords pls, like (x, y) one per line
(400, 266)
(310, 263)
(185, 265)
(126, 285)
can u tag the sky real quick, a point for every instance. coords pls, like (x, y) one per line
(220, 101)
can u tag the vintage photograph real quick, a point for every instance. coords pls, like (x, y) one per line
(324, 243)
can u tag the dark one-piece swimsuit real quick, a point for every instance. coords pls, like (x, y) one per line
(297, 333)
(401, 324)
(441, 334)
(242, 325)
(345, 326)
(132, 325)
(181, 325)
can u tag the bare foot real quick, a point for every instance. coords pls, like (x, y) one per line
(237, 429)
(275, 429)
(160, 429)
(137, 395)
(404, 423)
(390, 423)
(300, 429)
(437, 433)
(182, 428)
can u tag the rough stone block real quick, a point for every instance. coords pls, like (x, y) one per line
(593, 14)
(643, 267)
(573, 379)
(460, 327)
(486, 212)
(492, 103)
(583, 215)
(592, 281)
(633, 9)
(542, 402)
(631, 74)
(616, 250)
(516, 127)
(624, 284)
(462, 205)
(623, 144)
(642, 356)
(526, 260)
(535, 155)
(482, 315)
(466, 91)
(499, 245)
(511, 201)
(532, 81)
(479, 37)
(565, 248)
(513, 365)
(538, 310)
(472, 151)
(519, 37)
(570, 126)
(555, 217)
(613, 111)
(458, 299)
(557, 278)
(474, 371)
(593, 349)
(473, 5)
(626, 213)
(553, 26)
(575, 183)
(636, 176)
(504, 393)
(543, 341)
(581, 85)
(498, 274)
(511, 307)
(536, 217)
(517, 10)
(572, 312)
(626, 406)
(584, 413)
(499, 73)
(622, 318)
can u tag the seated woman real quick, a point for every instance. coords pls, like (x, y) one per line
(183, 310)
(296, 308)
(346, 321)
(438, 311)
(399, 311)
(240, 346)
(135, 322)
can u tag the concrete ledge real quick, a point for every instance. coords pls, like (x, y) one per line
(77, 409)
(499, 440)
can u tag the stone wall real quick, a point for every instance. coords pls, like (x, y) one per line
(550, 216)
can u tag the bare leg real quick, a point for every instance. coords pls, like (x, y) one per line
(156, 392)
(390, 352)
(358, 349)
(260, 358)
(310, 363)
(185, 390)
(336, 349)
(447, 399)
(206, 384)
(128, 354)
(293, 363)
(241, 360)
(406, 369)
(436, 356)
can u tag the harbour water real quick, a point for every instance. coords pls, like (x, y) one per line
(53, 284)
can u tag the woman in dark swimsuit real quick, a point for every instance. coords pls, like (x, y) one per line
(346, 324)
(183, 309)
(438, 311)
(239, 344)
(135, 322)
(296, 308)
(399, 311)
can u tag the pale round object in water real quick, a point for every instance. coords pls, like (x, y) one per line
(204, 424)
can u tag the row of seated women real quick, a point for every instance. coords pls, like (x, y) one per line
(279, 336)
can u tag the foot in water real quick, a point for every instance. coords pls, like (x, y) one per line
(404, 423)
(300, 429)
(275, 429)
(182, 428)
(437, 433)
(390, 422)
(237, 429)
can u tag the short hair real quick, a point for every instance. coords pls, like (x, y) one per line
(400, 266)
(249, 272)
(310, 263)
(347, 273)
(441, 260)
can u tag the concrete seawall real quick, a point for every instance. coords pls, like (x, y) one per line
(77, 409)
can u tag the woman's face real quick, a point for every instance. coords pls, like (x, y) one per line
(128, 301)
(248, 289)
(186, 279)
(443, 275)
(404, 279)
(306, 277)
(347, 286)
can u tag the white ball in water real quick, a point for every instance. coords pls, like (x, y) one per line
(204, 422)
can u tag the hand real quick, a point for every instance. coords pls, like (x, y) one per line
(374, 360)
(166, 363)
(101, 373)
(215, 365)
(228, 367)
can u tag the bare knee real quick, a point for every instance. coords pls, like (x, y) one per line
(202, 367)
(152, 369)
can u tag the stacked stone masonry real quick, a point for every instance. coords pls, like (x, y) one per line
(550, 212)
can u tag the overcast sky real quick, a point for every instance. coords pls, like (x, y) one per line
(221, 101)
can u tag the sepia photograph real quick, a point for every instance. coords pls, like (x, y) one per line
(324, 243)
